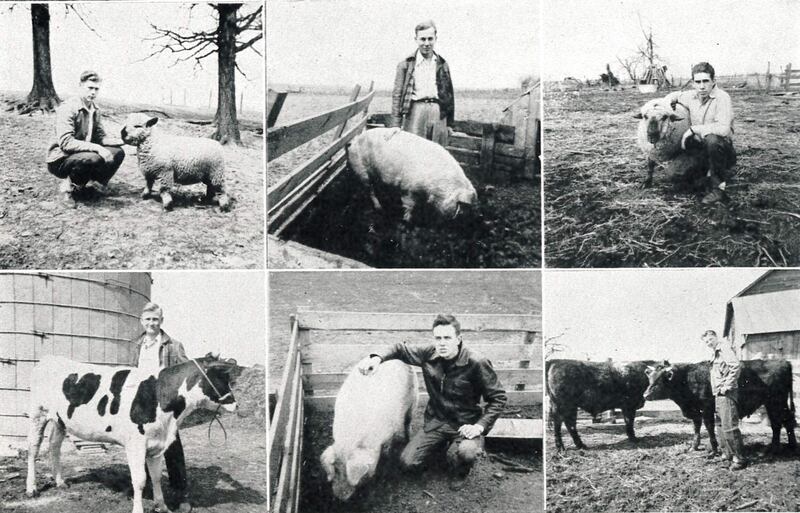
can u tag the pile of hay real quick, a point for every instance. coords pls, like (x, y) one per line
(249, 391)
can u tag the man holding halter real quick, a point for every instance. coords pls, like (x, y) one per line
(155, 350)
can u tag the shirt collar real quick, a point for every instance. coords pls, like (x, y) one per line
(419, 58)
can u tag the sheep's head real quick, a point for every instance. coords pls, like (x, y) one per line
(658, 117)
(137, 128)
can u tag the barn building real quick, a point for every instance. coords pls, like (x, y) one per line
(88, 317)
(763, 320)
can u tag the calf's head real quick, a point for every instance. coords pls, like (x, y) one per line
(216, 385)
(659, 378)
(137, 128)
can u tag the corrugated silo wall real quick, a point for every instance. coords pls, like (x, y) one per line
(85, 316)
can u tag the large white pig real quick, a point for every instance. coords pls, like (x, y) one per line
(372, 413)
(420, 169)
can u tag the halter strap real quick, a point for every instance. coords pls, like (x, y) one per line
(203, 373)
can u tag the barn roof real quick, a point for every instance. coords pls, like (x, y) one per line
(770, 312)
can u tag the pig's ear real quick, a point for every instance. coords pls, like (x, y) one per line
(328, 459)
(358, 465)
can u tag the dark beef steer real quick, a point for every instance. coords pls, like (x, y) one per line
(593, 387)
(765, 383)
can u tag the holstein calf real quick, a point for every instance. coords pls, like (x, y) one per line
(371, 415)
(594, 387)
(765, 383)
(122, 405)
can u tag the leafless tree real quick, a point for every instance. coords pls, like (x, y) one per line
(235, 31)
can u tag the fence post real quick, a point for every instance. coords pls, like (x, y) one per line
(768, 79)
(487, 149)
(532, 128)
(275, 101)
(353, 97)
(788, 77)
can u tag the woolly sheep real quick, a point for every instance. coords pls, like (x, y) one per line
(372, 414)
(660, 131)
(419, 168)
(171, 159)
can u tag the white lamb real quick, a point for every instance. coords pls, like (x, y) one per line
(169, 159)
(660, 131)
(419, 168)
(372, 413)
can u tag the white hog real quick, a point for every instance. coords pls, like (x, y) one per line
(372, 413)
(419, 168)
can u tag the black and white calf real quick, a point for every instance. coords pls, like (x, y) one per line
(122, 405)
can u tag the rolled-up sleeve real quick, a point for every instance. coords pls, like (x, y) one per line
(493, 393)
(66, 118)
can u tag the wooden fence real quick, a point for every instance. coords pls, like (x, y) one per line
(790, 80)
(325, 345)
(295, 191)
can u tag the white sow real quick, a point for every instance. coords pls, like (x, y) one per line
(372, 413)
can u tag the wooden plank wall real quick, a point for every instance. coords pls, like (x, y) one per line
(336, 341)
(484, 149)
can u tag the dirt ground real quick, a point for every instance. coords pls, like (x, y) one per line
(122, 231)
(491, 489)
(598, 215)
(222, 478)
(342, 220)
(661, 473)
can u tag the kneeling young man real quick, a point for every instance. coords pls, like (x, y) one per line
(710, 135)
(82, 154)
(455, 379)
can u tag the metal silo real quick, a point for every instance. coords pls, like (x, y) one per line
(85, 316)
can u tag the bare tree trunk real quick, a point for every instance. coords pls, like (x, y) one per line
(43, 93)
(227, 124)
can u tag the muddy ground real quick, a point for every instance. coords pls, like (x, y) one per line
(661, 473)
(598, 215)
(490, 488)
(223, 477)
(122, 231)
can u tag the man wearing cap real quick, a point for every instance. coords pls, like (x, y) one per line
(81, 154)
(725, 370)
(710, 135)
(422, 99)
(456, 379)
(155, 350)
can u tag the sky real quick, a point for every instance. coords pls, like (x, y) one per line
(214, 311)
(115, 51)
(735, 36)
(486, 44)
(638, 314)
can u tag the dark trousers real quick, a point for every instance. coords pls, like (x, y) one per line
(461, 453)
(176, 467)
(710, 159)
(732, 443)
(84, 166)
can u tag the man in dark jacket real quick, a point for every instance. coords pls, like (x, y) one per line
(422, 98)
(82, 154)
(455, 379)
(155, 350)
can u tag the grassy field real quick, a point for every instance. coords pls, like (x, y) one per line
(660, 473)
(598, 215)
(122, 231)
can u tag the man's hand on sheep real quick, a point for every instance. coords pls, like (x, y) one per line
(369, 364)
(470, 431)
(105, 154)
(687, 134)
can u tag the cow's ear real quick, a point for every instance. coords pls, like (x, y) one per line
(649, 370)
(670, 373)
(666, 363)
(638, 115)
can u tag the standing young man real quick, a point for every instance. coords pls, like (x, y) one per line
(456, 379)
(711, 130)
(155, 350)
(81, 154)
(422, 99)
(725, 370)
